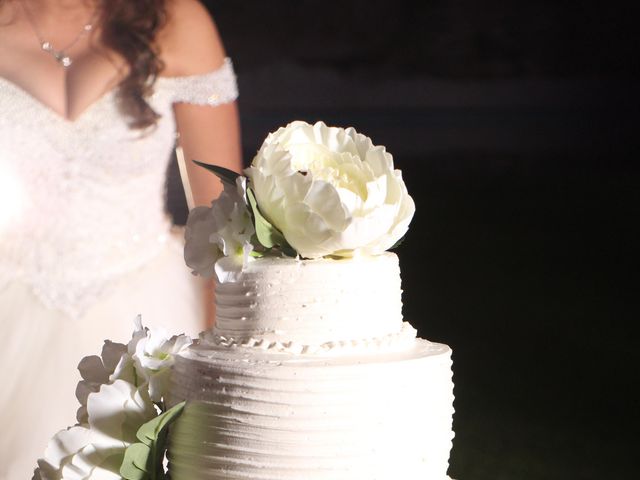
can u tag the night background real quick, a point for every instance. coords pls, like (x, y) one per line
(515, 126)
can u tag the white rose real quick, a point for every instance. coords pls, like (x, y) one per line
(95, 451)
(218, 239)
(330, 191)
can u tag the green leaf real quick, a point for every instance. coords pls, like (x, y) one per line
(224, 174)
(268, 235)
(398, 243)
(289, 251)
(149, 432)
(143, 461)
(134, 465)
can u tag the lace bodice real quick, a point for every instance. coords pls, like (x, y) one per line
(82, 202)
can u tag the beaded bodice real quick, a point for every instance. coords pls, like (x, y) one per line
(82, 201)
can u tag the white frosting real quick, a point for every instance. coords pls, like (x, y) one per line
(390, 342)
(276, 416)
(311, 302)
(310, 373)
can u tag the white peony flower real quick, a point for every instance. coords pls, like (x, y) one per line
(153, 353)
(95, 451)
(330, 191)
(218, 239)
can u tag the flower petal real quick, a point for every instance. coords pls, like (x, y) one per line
(118, 410)
(324, 200)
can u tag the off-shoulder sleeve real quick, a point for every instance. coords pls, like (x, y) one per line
(213, 88)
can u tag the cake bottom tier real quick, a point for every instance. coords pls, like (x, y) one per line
(266, 416)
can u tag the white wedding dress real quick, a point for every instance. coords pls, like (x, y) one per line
(85, 246)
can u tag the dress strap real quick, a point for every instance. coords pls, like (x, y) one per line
(213, 88)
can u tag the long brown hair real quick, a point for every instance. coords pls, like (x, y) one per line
(129, 28)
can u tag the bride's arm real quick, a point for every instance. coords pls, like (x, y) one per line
(190, 45)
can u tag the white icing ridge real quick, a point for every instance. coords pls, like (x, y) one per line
(311, 302)
(262, 416)
(392, 341)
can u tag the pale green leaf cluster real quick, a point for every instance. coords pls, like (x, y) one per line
(144, 460)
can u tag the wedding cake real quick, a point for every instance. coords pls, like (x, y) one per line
(310, 372)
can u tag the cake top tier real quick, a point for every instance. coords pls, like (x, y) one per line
(296, 303)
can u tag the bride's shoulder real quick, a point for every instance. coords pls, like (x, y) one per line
(189, 42)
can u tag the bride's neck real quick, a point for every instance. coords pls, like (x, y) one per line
(62, 7)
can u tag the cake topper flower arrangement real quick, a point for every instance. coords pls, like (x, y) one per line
(122, 419)
(312, 191)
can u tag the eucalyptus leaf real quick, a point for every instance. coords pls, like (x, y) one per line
(224, 174)
(143, 461)
(268, 235)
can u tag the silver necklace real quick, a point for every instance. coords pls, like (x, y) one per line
(60, 55)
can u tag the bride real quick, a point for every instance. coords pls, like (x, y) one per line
(92, 93)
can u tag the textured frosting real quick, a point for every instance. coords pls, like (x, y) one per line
(311, 374)
(276, 416)
(310, 303)
(390, 342)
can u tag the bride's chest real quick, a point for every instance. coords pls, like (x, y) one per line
(38, 145)
(80, 201)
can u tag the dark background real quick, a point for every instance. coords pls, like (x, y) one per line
(514, 125)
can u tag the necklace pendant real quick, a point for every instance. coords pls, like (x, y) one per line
(62, 58)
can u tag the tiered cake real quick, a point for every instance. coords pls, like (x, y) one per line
(311, 373)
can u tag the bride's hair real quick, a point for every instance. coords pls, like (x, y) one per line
(130, 28)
